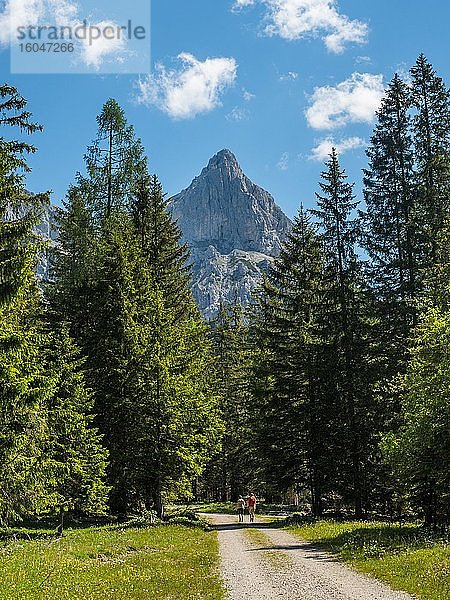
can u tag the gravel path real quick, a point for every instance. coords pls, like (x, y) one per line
(272, 564)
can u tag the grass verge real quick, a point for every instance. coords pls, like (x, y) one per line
(168, 562)
(229, 508)
(404, 556)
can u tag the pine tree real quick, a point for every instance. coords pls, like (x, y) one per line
(389, 221)
(348, 332)
(233, 471)
(431, 136)
(294, 423)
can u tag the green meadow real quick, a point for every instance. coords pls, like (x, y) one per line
(404, 556)
(168, 562)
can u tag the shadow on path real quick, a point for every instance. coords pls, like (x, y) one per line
(235, 526)
(310, 552)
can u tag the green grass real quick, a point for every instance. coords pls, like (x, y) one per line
(166, 562)
(229, 508)
(406, 557)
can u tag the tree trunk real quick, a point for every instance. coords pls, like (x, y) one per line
(158, 503)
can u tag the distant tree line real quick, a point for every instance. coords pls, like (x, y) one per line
(115, 395)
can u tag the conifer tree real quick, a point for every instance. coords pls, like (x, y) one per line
(233, 471)
(160, 241)
(19, 211)
(389, 222)
(121, 283)
(294, 421)
(114, 163)
(348, 332)
(431, 136)
(23, 393)
(74, 456)
(419, 452)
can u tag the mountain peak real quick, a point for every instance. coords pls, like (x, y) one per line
(233, 228)
(225, 161)
(224, 209)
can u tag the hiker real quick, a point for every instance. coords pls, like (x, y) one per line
(251, 503)
(240, 507)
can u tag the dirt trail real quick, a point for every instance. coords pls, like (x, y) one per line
(262, 563)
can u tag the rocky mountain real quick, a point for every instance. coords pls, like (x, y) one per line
(234, 230)
(233, 227)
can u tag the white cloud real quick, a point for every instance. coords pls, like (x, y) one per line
(241, 3)
(238, 114)
(296, 19)
(97, 50)
(26, 13)
(324, 147)
(289, 76)
(16, 13)
(283, 163)
(248, 96)
(366, 60)
(193, 89)
(354, 100)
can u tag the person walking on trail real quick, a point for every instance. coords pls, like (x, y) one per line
(251, 503)
(240, 507)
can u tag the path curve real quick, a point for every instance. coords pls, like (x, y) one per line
(272, 564)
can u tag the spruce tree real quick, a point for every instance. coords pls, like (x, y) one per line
(23, 394)
(419, 452)
(233, 471)
(74, 455)
(19, 211)
(121, 283)
(290, 369)
(431, 136)
(160, 241)
(348, 332)
(389, 221)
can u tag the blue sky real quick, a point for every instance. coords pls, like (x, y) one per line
(273, 80)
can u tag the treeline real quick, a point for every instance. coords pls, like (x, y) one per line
(108, 402)
(339, 388)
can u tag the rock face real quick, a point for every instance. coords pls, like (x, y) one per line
(234, 230)
(46, 229)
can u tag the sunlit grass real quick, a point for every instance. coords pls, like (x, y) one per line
(164, 562)
(405, 556)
